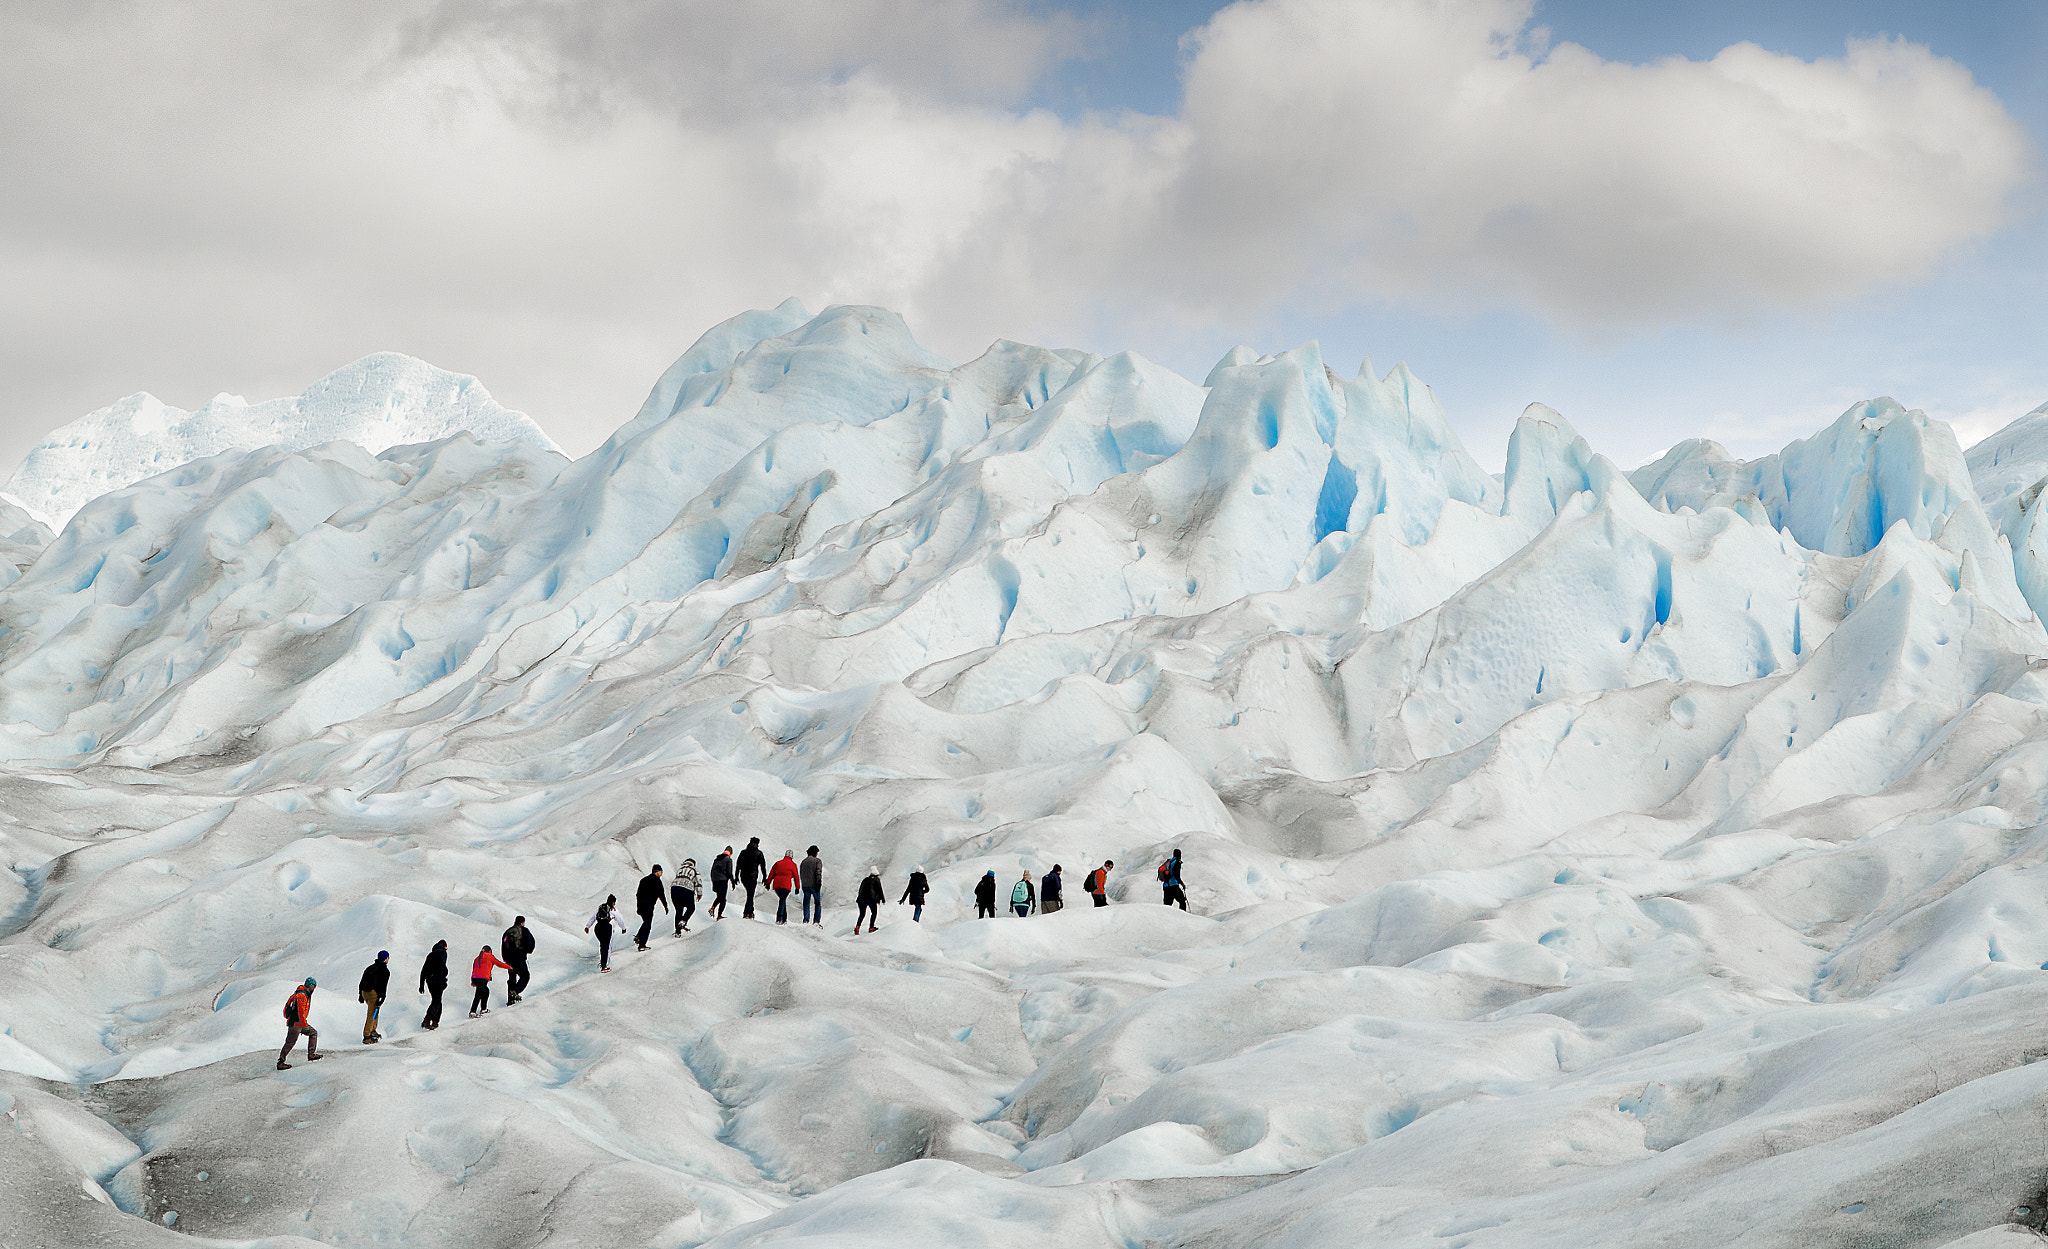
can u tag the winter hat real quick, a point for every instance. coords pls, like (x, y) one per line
(311, 983)
(382, 955)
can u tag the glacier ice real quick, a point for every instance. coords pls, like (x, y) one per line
(1578, 856)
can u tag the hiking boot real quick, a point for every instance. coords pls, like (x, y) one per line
(284, 1066)
(314, 1058)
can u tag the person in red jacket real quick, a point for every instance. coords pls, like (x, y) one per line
(480, 980)
(298, 1020)
(782, 878)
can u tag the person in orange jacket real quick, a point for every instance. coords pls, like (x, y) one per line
(782, 878)
(298, 1019)
(480, 980)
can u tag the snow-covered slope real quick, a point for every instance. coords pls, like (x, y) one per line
(384, 400)
(1576, 858)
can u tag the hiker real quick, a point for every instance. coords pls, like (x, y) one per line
(650, 893)
(371, 991)
(1023, 896)
(811, 875)
(685, 891)
(1169, 880)
(480, 980)
(434, 980)
(782, 878)
(514, 945)
(1097, 883)
(869, 900)
(752, 866)
(721, 880)
(602, 921)
(914, 893)
(298, 1018)
(1049, 891)
(985, 896)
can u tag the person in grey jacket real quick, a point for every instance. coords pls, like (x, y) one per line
(811, 875)
(684, 890)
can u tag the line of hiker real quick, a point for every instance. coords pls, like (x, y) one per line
(750, 869)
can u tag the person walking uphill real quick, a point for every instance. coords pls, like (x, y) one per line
(371, 991)
(480, 980)
(1097, 883)
(1169, 880)
(985, 896)
(513, 946)
(298, 1018)
(914, 893)
(721, 880)
(650, 893)
(685, 892)
(602, 921)
(1049, 891)
(434, 980)
(752, 866)
(811, 875)
(870, 899)
(782, 878)
(1023, 897)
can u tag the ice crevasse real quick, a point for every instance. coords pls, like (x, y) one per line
(1575, 855)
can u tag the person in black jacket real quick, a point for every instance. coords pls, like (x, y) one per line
(515, 945)
(1049, 891)
(651, 892)
(721, 880)
(434, 980)
(985, 897)
(914, 893)
(376, 982)
(752, 866)
(869, 900)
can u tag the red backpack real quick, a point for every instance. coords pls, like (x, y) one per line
(295, 1007)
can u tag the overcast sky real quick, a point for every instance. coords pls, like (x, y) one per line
(1726, 219)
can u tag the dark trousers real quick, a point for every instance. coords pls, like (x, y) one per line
(718, 889)
(433, 1019)
(604, 946)
(869, 909)
(751, 886)
(782, 906)
(1101, 899)
(1176, 894)
(814, 907)
(984, 910)
(516, 980)
(481, 998)
(686, 905)
(291, 1037)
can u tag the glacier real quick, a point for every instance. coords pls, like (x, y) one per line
(1577, 856)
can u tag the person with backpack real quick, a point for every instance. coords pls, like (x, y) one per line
(1023, 897)
(298, 1019)
(434, 980)
(480, 980)
(1097, 883)
(650, 893)
(782, 878)
(721, 880)
(752, 866)
(1169, 880)
(915, 893)
(869, 900)
(1049, 891)
(985, 896)
(371, 991)
(685, 891)
(602, 922)
(514, 945)
(811, 875)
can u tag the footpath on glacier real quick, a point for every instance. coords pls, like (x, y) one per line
(1577, 857)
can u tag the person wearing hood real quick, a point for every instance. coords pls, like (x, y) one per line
(1023, 896)
(752, 866)
(914, 893)
(434, 980)
(513, 946)
(370, 991)
(1049, 891)
(870, 900)
(721, 880)
(985, 896)
(685, 891)
(480, 981)
(811, 875)
(298, 1020)
(649, 894)
(602, 922)
(782, 878)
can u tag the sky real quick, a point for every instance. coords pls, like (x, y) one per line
(1728, 220)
